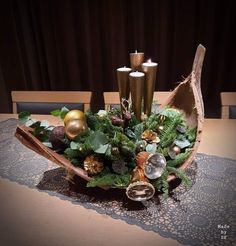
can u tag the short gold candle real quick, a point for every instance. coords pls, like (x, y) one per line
(150, 70)
(136, 80)
(136, 60)
(123, 82)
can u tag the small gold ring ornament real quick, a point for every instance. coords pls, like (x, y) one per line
(140, 191)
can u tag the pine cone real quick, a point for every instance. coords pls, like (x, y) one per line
(92, 165)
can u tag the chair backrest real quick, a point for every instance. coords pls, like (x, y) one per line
(228, 105)
(112, 99)
(43, 102)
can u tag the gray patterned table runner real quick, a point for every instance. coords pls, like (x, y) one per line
(202, 214)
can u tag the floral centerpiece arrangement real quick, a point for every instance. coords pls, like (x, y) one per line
(130, 147)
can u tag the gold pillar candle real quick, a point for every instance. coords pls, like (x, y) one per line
(136, 80)
(136, 60)
(150, 70)
(123, 82)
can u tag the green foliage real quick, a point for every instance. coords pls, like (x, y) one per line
(125, 145)
(105, 125)
(169, 134)
(191, 134)
(109, 179)
(114, 143)
(152, 122)
(161, 184)
(163, 151)
(180, 158)
(71, 153)
(133, 122)
(138, 130)
(179, 173)
(97, 139)
(24, 116)
(92, 120)
(60, 112)
(56, 112)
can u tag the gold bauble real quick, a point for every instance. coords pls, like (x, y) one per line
(74, 115)
(160, 128)
(75, 127)
(176, 149)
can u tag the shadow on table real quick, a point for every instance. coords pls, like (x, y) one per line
(54, 180)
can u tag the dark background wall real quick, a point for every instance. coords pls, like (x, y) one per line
(77, 45)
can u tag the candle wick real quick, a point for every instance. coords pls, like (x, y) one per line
(136, 51)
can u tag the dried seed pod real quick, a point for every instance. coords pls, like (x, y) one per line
(150, 136)
(119, 167)
(92, 165)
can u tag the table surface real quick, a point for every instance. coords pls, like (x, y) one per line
(35, 218)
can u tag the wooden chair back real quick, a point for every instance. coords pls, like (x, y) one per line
(50, 100)
(113, 99)
(228, 105)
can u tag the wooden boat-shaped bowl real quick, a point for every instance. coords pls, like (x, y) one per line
(186, 97)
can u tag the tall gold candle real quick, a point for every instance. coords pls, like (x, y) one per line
(136, 60)
(150, 70)
(123, 82)
(136, 80)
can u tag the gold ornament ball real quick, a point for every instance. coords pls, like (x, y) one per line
(176, 149)
(74, 115)
(160, 128)
(75, 127)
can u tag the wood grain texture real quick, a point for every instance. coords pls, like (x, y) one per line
(52, 97)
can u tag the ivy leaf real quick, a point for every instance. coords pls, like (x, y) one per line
(74, 145)
(30, 122)
(151, 148)
(36, 124)
(71, 153)
(102, 149)
(44, 123)
(97, 139)
(130, 133)
(56, 112)
(75, 161)
(38, 130)
(63, 113)
(182, 143)
(24, 116)
(47, 144)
